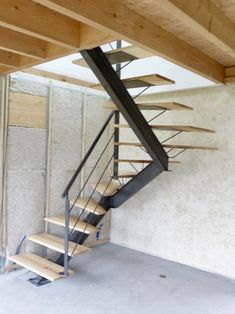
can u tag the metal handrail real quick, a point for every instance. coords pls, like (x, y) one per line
(69, 185)
(76, 173)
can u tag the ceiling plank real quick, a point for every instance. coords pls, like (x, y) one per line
(114, 18)
(54, 51)
(9, 59)
(91, 37)
(230, 75)
(26, 62)
(58, 77)
(4, 69)
(22, 44)
(204, 18)
(35, 20)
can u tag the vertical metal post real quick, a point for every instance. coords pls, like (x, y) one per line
(48, 140)
(117, 121)
(66, 236)
(83, 137)
(4, 115)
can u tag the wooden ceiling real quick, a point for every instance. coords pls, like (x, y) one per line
(196, 34)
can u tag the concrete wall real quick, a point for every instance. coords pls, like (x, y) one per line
(27, 158)
(188, 215)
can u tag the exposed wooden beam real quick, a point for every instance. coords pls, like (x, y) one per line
(91, 37)
(37, 21)
(9, 59)
(58, 77)
(13, 61)
(230, 75)
(22, 44)
(53, 52)
(114, 18)
(4, 69)
(204, 18)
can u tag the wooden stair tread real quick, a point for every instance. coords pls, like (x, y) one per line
(142, 81)
(56, 243)
(176, 128)
(143, 161)
(154, 106)
(128, 144)
(132, 51)
(103, 190)
(138, 161)
(80, 226)
(39, 265)
(126, 174)
(92, 206)
(177, 146)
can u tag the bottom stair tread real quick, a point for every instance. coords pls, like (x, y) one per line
(57, 243)
(39, 265)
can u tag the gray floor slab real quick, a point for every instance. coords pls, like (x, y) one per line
(115, 280)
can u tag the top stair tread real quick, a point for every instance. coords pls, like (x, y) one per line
(176, 128)
(90, 205)
(104, 190)
(56, 243)
(39, 265)
(80, 226)
(121, 55)
(155, 106)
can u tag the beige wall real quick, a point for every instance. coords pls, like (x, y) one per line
(188, 215)
(27, 156)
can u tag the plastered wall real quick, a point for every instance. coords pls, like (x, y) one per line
(27, 153)
(188, 215)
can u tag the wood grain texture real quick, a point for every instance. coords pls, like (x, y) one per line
(131, 50)
(57, 244)
(154, 106)
(27, 110)
(182, 128)
(151, 79)
(175, 146)
(106, 189)
(90, 205)
(142, 161)
(158, 13)
(39, 265)
(78, 226)
(128, 20)
(58, 77)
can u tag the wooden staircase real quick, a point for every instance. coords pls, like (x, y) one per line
(123, 183)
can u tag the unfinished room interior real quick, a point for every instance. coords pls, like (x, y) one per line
(117, 123)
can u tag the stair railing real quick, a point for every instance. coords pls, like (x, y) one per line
(65, 194)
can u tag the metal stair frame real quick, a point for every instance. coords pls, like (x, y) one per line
(111, 82)
(113, 85)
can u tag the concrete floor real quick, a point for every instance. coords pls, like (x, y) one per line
(115, 280)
